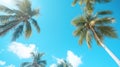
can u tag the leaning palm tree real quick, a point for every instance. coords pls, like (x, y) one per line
(20, 19)
(97, 27)
(37, 62)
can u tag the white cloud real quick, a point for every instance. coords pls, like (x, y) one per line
(11, 65)
(2, 63)
(21, 50)
(53, 65)
(73, 59)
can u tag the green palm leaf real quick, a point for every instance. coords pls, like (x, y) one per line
(18, 31)
(79, 21)
(24, 6)
(105, 20)
(82, 36)
(107, 31)
(6, 9)
(6, 27)
(105, 12)
(6, 18)
(103, 1)
(34, 22)
(28, 29)
(26, 64)
(88, 39)
(78, 31)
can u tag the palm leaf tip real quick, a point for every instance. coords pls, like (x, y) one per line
(88, 39)
(104, 12)
(28, 30)
(74, 2)
(34, 22)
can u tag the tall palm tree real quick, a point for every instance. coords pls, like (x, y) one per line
(37, 62)
(97, 27)
(20, 19)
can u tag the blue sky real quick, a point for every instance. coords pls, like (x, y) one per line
(56, 38)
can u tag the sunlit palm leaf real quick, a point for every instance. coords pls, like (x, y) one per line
(107, 31)
(82, 36)
(24, 6)
(88, 39)
(79, 21)
(36, 25)
(28, 29)
(78, 31)
(105, 20)
(18, 31)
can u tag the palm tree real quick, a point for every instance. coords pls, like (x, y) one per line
(20, 19)
(63, 63)
(37, 62)
(95, 26)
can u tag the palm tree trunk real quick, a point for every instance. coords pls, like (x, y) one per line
(105, 47)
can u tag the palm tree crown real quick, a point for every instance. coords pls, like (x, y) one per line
(94, 25)
(20, 19)
(63, 63)
(37, 62)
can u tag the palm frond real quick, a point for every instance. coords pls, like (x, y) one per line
(88, 39)
(6, 9)
(107, 31)
(18, 31)
(6, 18)
(24, 6)
(35, 12)
(25, 64)
(103, 1)
(89, 7)
(6, 27)
(82, 36)
(28, 29)
(105, 12)
(79, 21)
(105, 20)
(34, 22)
(74, 2)
(78, 31)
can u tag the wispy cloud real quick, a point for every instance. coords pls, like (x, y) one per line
(73, 59)
(2, 63)
(21, 50)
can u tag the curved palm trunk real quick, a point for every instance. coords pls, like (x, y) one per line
(106, 48)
